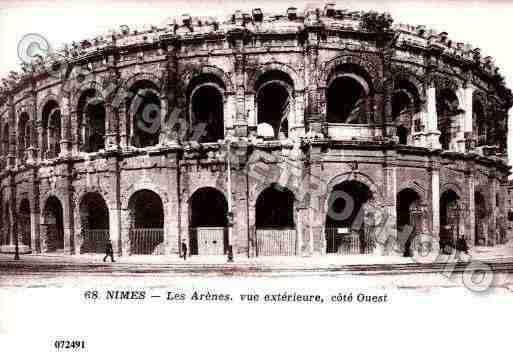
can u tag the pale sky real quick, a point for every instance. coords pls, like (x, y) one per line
(486, 25)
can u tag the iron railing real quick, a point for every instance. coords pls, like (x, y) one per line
(339, 241)
(209, 240)
(276, 242)
(146, 241)
(94, 240)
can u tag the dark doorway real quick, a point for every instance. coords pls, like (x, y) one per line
(345, 227)
(146, 223)
(208, 221)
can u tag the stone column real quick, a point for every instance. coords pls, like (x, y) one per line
(112, 128)
(312, 78)
(172, 238)
(470, 222)
(435, 204)
(468, 94)
(241, 124)
(65, 143)
(122, 120)
(432, 132)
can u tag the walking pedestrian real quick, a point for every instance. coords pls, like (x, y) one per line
(184, 250)
(109, 251)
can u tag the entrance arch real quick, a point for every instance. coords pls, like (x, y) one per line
(53, 225)
(275, 225)
(208, 222)
(94, 223)
(24, 221)
(406, 201)
(448, 222)
(481, 217)
(146, 233)
(274, 101)
(345, 226)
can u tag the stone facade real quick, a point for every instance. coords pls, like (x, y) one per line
(402, 118)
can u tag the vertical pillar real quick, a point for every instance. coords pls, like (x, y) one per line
(470, 222)
(314, 87)
(112, 128)
(432, 132)
(241, 125)
(435, 204)
(123, 125)
(172, 238)
(65, 143)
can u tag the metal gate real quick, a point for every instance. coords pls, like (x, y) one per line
(209, 241)
(276, 242)
(146, 241)
(346, 241)
(94, 240)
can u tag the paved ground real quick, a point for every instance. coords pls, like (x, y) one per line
(445, 271)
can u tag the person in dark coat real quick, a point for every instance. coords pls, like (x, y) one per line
(109, 252)
(461, 245)
(184, 250)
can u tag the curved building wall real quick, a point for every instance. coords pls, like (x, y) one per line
(308, 101)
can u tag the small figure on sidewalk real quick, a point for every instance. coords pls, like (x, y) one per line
(461, 245)
(184, 250)
(109, 252)
(230, 253)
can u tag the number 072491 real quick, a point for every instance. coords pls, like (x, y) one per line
(69, 344)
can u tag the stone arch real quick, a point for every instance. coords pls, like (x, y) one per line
(42, 103)
(92, 217)
(441, 81)
(421, 191)
(297, 81)
(49, 194)
(405, 75)
(24, 220)
(138, 186)
(288, 196)
(453, 187)
(143, 76)
(89, 85)
(197, 186)
(206, 107)
(358, 177)
(189, 75)
(255, 192)
(83, 191)
(330, 67)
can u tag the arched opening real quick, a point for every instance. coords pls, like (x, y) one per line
(447, 108)
(347, 96)
(5, 143)
(91, 114)
(208, 221)
(6, 224)
(449, 221)
(480, 123)
(145, 114)
(481, 216)
(275, 228)
(94, 223)
(24, 223)
(53, 226)
(206, 109)
(23, 136)
(402, 135)
(274, 102)
(51, 145)
(405, 109)
(146, 231)
(406, 202)
(346, 221)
